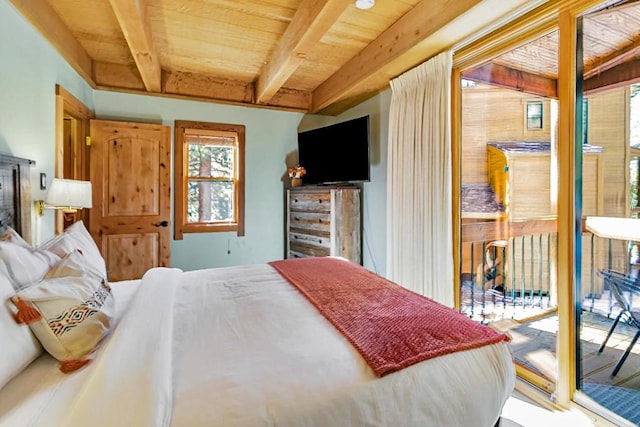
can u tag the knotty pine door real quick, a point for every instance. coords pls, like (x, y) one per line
(131, 177)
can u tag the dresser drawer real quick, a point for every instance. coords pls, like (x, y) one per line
(314, 201)
(317, 221)
(310, 239)
(323, 221)
(301, 250)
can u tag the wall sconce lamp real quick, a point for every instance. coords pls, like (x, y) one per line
(67, 195)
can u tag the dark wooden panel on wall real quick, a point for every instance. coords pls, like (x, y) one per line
(15, 195)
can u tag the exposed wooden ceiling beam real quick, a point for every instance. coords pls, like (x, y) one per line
(408, 31)
(614, 58)
(311, 21)
(47, 21)
(117, 76)
(231, 91)
(132, 17)
(198, 86)
(506, 77)
(620, 75)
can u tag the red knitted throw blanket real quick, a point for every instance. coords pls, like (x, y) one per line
(392, 327)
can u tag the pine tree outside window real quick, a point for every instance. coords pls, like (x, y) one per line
(209, 178)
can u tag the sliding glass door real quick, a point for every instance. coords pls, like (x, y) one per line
(547, 144)
(608, 295)
(508, 201)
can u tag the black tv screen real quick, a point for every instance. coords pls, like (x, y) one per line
(337, 153)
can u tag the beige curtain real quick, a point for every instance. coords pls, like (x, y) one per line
(419, 239)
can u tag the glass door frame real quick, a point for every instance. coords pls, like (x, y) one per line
(562, 15)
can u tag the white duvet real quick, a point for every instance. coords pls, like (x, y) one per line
(239, 346)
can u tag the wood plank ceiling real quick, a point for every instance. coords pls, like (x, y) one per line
(611, 56)
(320, 56)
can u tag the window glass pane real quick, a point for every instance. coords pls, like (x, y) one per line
(534, 115)
(210, 201)
(211, 160)
(508, 193)
(609, 297)
(534, 109)
(534, 123)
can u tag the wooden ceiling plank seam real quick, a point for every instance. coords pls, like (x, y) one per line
(620, 7)
(310, 23)
(43, 17)
(267, 10)
(607, 42)
(614, 58)
(408, 31)
(136, 28)
(538, 22)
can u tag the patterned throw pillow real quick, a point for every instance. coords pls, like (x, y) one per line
(69, 311)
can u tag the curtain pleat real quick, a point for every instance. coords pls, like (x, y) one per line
(419, 234)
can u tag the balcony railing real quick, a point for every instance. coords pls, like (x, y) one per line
(508, 269)
(613, 246)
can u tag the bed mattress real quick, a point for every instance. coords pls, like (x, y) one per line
(247, 349)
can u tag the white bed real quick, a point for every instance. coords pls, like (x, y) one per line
(240, 346)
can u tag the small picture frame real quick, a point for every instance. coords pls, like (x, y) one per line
(43, 181)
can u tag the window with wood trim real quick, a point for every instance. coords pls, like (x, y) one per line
(534, 115)
(209, 178)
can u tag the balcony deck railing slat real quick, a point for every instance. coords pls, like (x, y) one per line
(507, 278)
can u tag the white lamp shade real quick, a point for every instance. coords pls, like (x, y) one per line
(69, 193)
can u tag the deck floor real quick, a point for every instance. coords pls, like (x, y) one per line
(534, 347)
(532, 323)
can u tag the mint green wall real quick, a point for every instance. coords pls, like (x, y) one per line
(374, 193)
(270, 137)
(29, 70)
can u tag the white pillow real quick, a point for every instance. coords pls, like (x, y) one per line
(24, 265)
(74, 310)
(76, 237)
(11, 235)
(19, 346)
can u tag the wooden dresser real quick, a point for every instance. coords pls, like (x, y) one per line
(324, 221)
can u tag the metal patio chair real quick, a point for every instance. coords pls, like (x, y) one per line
(625, 290)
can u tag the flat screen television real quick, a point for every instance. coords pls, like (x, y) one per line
(337, 153)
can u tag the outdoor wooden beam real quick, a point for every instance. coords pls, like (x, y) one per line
(502, 230)
(620, 75)
(310, 22)
(617, 57)
(506, 77)
(419, 23)
(132, 17)
(46, 20)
